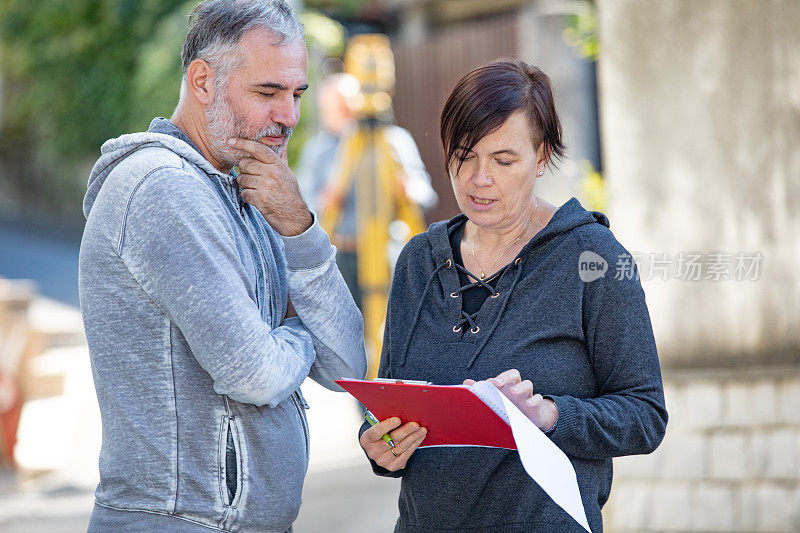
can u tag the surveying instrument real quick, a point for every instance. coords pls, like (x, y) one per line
(366, 161)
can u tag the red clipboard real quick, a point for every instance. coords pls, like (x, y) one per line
(453, 415)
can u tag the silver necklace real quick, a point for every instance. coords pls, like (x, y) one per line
(483, 274)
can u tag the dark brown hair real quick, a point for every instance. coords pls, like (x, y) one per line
(484, 99)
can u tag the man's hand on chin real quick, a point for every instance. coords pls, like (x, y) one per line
(269, 185)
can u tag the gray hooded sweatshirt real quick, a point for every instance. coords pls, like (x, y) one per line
(183, 298)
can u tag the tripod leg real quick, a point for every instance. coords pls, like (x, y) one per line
(350, 153)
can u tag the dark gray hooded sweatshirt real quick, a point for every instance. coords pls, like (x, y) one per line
(588, 345)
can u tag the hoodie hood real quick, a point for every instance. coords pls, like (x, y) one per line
(569, 216)
(114, 151)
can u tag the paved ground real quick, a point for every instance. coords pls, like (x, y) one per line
(59, 440)
(346, 500)
(59, 437)
(45, 254)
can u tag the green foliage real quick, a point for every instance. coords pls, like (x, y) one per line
(78, 72)
(581, 30)
(70, 67)
(593, 188)
(157, 80)
(324, 33)
(347, 8)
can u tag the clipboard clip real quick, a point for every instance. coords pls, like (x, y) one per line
(403, 381)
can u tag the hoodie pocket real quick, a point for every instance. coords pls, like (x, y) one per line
(230, 467)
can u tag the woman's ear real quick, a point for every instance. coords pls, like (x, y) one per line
(542, 158)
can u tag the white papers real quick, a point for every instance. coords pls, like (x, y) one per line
(543, 460)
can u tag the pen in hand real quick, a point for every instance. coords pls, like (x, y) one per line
(369, 417)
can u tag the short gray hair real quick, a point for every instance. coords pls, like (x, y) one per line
(217, 26)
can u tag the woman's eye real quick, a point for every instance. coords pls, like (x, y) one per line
(504, 163)
(268, 95)
(298, 96)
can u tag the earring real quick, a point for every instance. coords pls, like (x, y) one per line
(540, 173)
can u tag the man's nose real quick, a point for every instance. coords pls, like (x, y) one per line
(286, 112)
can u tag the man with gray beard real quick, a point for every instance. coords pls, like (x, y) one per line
(208, 297)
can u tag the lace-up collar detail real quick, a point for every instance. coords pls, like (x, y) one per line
(466, 318)
(469, 318)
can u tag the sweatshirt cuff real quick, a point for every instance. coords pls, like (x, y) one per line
(567, 418)
(309, 250)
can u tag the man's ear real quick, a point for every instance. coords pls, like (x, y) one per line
(200, 81)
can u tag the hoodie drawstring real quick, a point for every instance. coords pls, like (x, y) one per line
(518, 264)
(465, 317)
(403, 353)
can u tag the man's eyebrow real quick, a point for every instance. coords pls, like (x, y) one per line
(279, 86)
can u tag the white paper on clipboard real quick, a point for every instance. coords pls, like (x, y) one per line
(541, 458)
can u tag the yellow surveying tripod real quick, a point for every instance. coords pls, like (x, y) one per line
(366, 161)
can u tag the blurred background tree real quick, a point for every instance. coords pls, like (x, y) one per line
(75, 73)
(78, 72)
(581, 30)
(340, 8)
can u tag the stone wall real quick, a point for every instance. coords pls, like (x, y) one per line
(730, 460)
(540, 29)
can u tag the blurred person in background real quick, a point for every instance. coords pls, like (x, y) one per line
(496, 293)
(318, 168)
(208, 297)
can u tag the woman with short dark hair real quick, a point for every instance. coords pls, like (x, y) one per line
(497, 292)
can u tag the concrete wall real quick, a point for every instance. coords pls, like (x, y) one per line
(540, 29)
(700, 127)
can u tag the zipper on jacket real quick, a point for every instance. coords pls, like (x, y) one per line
(300, 404)
(237, 193)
